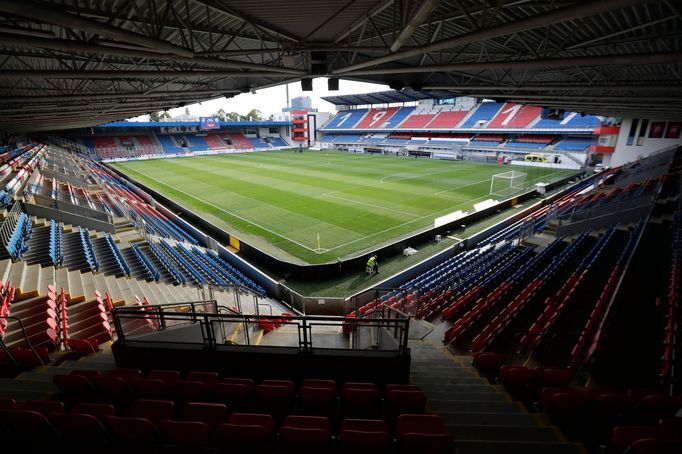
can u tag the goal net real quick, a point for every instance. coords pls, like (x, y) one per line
(507, 184)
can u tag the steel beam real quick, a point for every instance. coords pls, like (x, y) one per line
(191, 75)
(44, 13)
(602, 60)
(420, 16)
(66, 45)
(564, 14)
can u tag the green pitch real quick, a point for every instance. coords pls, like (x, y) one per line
(282, 201)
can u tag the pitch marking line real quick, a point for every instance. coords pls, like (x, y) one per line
(409, 222)
(371, 205)
(228, 212)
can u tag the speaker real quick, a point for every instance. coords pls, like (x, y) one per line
(307, 84)
(333, 84)
(552, 114)
(318, 56)
(396, 84)
(318, 69)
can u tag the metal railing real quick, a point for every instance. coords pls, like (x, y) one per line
(26, 339)
(385, 329)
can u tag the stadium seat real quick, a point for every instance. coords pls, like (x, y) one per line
(44, 407)
(169, 376)
(187, 436)
(364, 436)
(139, 433)
(247, 433)
(207, 378)
(208, 413)
(99, 411)
(238, 396)
(360, 400)
(82, 432)
(151, 388)
(305, 434)
(422, 433)
(153, 410)
(191, 391)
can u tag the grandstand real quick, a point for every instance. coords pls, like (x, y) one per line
(537, 315)
(482, 130)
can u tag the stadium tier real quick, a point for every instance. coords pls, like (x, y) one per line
(561, 284)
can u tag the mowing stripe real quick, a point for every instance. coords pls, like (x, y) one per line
(228, 212)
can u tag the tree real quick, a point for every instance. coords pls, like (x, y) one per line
(232, 116)
(253, 115)
(221, 114)
(159, 116)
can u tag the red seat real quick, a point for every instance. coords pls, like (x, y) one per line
(250, 385)
(191, 391)
(400, 387)
(151, 388)
(286, 383)
(247, 433)
(305, 434)
(112, 388)
(28, 429)
(555, 377)
(657, 446)
(488, 363)
(652, 408)
(8, 404)
(641, 393)
(670, 428)
(547, 393)
(567, 407)
(624, 436)
(399, 402)
(79, 428)
(211, 414)
(135, 431)
(44, 407)
(422, 433)
(169, 376)
(359, 385)
(99, 411)
(274, 399)
(153, 410)
(76, 387)
(358, 402)
(236, 395)
(317, 383)
(317, 401)
(191, 434)
(207, 378)
(86, 372)
(364, 436)
(126, 374)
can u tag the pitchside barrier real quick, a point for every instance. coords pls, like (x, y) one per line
(276, 266)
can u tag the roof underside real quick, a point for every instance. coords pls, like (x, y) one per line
(387, 97)
(74, 63)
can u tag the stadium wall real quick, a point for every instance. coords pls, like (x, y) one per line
(637, 142)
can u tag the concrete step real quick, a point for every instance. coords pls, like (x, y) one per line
(75, 289)
(488, 396)
(428, 388)
(491, 419)
(504, 433)
(520, 447)
(456, 380)
(476, 406)
(47, 277)
(5, 268)
(12, 384)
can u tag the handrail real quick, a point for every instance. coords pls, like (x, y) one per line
(157, 317)
(23, 331)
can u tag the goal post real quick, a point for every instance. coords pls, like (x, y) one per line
(507, 184)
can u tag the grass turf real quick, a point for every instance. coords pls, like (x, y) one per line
(280, 201)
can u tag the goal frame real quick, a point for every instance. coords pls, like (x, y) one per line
(510, 189)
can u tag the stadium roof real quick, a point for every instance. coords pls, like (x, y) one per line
(74, 63)
(166, 124)
(386, 97)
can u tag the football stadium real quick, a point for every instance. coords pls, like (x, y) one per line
(479, 254)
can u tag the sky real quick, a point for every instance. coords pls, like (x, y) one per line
(271, 100)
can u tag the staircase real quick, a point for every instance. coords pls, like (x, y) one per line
(105, 256)
(137, 269)
(482, 417)
(38, 246)
(74, 255)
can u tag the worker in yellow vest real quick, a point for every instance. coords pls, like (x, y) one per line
(372, 265)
